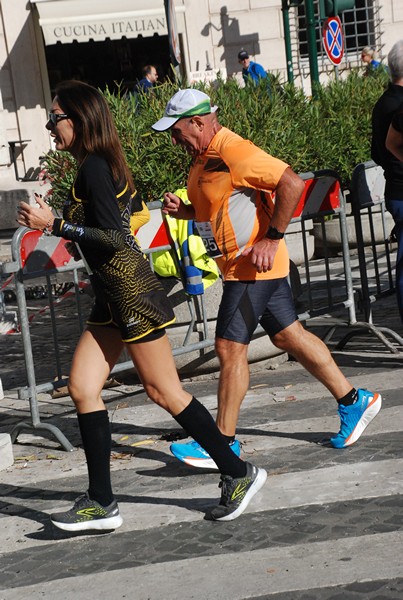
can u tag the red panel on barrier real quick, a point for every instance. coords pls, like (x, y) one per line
(321, 194)
(160, 238)
(50, 251)
(28, 244)
(153, 234)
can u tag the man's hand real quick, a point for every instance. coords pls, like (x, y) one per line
(173, 206)
(288, 193)
(262, 254)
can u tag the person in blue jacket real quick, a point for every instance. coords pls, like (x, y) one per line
(369, 58)
(252, 72)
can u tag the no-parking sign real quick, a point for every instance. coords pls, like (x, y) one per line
(333, 39)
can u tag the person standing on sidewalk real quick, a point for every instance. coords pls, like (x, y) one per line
(369, 58)
(252, 72)
(385, 152)
(230, 187)
(131, 309)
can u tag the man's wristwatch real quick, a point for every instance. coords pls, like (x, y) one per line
(274, 234)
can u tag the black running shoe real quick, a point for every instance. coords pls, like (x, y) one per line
(88, 514)
(237, 493)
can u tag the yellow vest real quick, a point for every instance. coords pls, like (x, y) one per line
(188, 259)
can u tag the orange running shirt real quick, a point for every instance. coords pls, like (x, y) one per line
(230, 187)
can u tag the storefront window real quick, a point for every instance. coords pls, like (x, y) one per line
(108, 63)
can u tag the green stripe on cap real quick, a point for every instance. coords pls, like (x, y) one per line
(201, 109)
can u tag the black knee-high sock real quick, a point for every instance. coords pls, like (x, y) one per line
(198, 422)
(96, 435)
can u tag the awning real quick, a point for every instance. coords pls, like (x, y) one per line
(83, 20)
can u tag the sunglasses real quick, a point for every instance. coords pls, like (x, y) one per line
(54, 118)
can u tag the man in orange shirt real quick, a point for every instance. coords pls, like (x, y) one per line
(230, 186)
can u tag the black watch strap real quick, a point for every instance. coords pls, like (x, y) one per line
(274, 234)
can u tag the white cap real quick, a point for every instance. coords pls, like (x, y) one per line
(185, 103)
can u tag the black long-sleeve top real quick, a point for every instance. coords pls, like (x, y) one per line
(388, 104)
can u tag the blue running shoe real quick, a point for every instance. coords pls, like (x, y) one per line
(356, 417)
(194, 455)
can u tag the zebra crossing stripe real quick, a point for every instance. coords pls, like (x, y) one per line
(269, 571)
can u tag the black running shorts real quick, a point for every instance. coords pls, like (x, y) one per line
(245, 304)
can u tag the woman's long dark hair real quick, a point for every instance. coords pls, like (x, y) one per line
(93, 122)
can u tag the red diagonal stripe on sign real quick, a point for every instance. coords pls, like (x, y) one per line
(334, 42)
(320, 195)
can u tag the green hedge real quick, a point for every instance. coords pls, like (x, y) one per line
(332, 131)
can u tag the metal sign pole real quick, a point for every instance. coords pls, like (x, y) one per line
(312, 50)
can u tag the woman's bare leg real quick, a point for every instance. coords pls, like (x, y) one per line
(97, 352)
(157, 370)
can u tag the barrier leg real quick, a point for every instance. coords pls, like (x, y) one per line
(192, 320)
(35, 424)
(46, 428)
(379, 332)
(54, 328)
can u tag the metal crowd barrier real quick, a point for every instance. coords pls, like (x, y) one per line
(373, 245)
(325, 290)
(36, 256)
(328, 292)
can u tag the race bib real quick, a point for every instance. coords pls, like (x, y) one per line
(206, 234)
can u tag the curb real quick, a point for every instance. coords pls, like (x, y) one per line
(6, 451)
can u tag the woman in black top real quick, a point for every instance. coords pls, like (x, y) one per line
(130, 309)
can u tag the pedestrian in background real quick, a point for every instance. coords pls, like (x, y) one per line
(230, 186)
(150, 78)
(252, 72)
(385, 152)
(369, 58)
(131, 310)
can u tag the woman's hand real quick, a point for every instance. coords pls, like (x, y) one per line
(35, 218)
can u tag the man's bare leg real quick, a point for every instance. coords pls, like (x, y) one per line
(233, 383)
(314, 356)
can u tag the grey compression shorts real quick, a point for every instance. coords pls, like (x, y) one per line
(245, 304)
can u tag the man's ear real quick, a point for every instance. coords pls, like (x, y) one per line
(198, 121)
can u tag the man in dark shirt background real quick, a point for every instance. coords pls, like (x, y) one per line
(388, 104)
(150, 77)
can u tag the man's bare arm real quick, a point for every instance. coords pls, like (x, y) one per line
(288, 193)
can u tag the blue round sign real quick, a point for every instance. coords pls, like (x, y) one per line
(333, 39)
